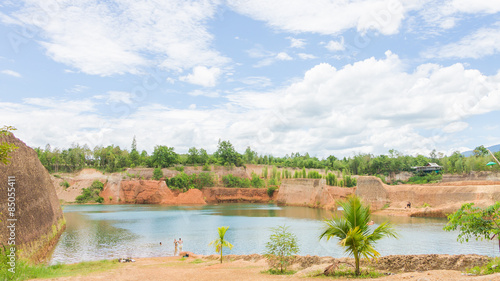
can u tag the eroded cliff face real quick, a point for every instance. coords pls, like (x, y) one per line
(311, 193)
(429, 200)
(39, 218)
(156, 192)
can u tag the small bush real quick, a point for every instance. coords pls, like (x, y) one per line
(491, 267)
(91, 194)
(256, 181)
(331, 179)
(232, 181)
(179, 168)
(314, 175)
(157, 174)
(57, 176)
(271, 190)
(64, 184)
(206, 167)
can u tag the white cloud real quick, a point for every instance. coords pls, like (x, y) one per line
(124, 36)
(209, 94)
(283, 56)
(335, 45)
(483, 42)
(326, 17)
(370, 106)
(297, 43)
(11, 73)
(77, 89)
(203, 76)
(257, 81)
(305, 56)
(455, 127)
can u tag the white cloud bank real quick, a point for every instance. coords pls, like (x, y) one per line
(370, 106)
(203, 76)
(11, 73)
(123, 36)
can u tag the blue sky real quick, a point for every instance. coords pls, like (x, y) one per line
(324, 77)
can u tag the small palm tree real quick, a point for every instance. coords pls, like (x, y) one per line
(353, 231)
(221, 242)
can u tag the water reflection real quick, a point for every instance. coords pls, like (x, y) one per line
(98, 231)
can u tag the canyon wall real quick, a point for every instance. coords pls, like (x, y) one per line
(310, 192)
(37, 216)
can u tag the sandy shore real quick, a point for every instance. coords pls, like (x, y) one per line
(206, 268)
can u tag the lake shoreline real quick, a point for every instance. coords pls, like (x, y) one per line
(250, 267)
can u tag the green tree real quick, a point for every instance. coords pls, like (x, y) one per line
(157, 173)
(281, 247)
(6, 148)
(475, 222)
(193, 156)
(221, 243)
(353, 231)
(480, 151)
(134, 154)
(226, 154)
(163, 156)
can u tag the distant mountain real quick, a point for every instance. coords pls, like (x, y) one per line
(493, 148)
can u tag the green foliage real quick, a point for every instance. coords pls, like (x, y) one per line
(91, 194)
(157, 174)
(57, 176)
(271, 190)
(179, 168)
(163, 157)
(264, 172)
(353, 231)
(491, 267)
(185, 182)
(64, 184)
(232, 181)
(475, 222)
(349, 181)
(347, 272)
(314, 175)
(221, 243)
(425, 205)
(206, 167)
(278, 272)
(25, 271)
(297, 174)
(6, 148)
(304, 172)
(331, 179)
(273, 181)
(256, 181)
(281, 247)
(427, 178)
(227, 155)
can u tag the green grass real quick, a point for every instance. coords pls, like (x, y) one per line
(491, 267)
(277, 272)
(196, 261)
(26, 271)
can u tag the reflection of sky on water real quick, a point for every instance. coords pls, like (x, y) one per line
(110, 231)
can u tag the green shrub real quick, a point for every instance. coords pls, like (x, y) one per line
(331, 179)
(427, 178)
(232, 181)
(314, 175)
(91, 194)
(264, 172)
(256, 181)
(491, 267)
(206, 167)
(281, 248)
(271, 190)
(64, 184)
(297, 174)
(304, 172)
(57, 176)
(185, 182)
(179, 168)
(349, 181)
(157, 174)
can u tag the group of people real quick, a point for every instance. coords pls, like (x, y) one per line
(177, 246)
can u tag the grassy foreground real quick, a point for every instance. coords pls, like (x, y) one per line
(24, 271)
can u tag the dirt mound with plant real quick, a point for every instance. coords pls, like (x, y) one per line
(236, 195)
(410, 263)
(39, 216)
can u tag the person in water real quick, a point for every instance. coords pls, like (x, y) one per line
(175, 246)
(180, 244)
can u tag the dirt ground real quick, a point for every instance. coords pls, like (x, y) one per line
(207, 268)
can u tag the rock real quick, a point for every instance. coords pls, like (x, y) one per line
(39, 217)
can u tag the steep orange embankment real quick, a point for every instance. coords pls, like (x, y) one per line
(441, 199)
(157, 192)
(311, 193)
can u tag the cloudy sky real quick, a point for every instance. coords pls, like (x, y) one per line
(326, 77)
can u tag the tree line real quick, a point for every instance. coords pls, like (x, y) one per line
(113, 158)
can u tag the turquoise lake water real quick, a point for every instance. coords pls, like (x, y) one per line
(96, 232)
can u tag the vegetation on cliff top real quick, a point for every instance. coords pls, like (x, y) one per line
(6, 148)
